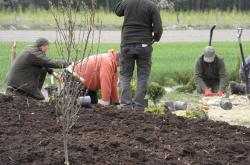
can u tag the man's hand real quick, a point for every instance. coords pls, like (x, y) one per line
(220, 93)
(208, 92)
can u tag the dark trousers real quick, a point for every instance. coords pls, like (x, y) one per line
(42, 77)
(20, 92)
(16, 91)
(131, 54)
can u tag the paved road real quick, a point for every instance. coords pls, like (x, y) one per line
(114, 36)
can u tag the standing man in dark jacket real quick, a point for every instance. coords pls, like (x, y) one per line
(210, 73)
(28, 72)
(141, 27)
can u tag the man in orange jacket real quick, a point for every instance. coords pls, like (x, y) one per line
(99, 72)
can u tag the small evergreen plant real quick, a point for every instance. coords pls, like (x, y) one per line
(155, 92)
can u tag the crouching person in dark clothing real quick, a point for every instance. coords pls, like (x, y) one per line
(240, 88)
(28, 72)
(210, 73)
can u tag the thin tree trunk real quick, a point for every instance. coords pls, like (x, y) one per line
(66, 155)
(240, 5)
(198, 5)
(65, 138)
(177, 11)
(97, 4)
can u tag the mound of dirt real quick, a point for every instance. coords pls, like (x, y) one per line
(29, 134)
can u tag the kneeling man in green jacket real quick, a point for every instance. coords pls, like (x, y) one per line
(210, 73)
(28, 72)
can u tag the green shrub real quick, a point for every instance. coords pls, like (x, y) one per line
(163, 80)
(189, 87)
(182, 77)
(155, 91)
(196, 113)
(156, 109)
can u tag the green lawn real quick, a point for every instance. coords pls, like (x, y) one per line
(168, 58)
(41, 19)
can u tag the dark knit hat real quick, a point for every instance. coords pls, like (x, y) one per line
(41, 41)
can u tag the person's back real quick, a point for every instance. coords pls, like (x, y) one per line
(141, 18)
(93, 68)
(100, 72)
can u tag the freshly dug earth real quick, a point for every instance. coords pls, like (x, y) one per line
(29, 134)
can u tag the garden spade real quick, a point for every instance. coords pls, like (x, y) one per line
(246, 70)
(211, 35)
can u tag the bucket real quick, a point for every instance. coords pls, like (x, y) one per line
(176, 105)
(52, 90)
(84, 101)
(180, 105)
(169, 105)
(226, 104)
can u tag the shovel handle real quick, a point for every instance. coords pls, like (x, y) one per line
(211, 34)
(240, 30)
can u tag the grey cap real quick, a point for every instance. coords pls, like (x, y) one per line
(41, 41)
(209, 54)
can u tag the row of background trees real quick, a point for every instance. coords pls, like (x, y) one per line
(196, 5)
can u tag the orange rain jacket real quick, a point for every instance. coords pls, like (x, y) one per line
(100, 72)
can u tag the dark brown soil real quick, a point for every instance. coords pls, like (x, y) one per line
(29, 134)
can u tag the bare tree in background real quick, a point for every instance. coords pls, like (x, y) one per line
(164, 3)
(75, 37)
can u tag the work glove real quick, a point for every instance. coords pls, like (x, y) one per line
(219, 93)
(208, 92)
(104, 103)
